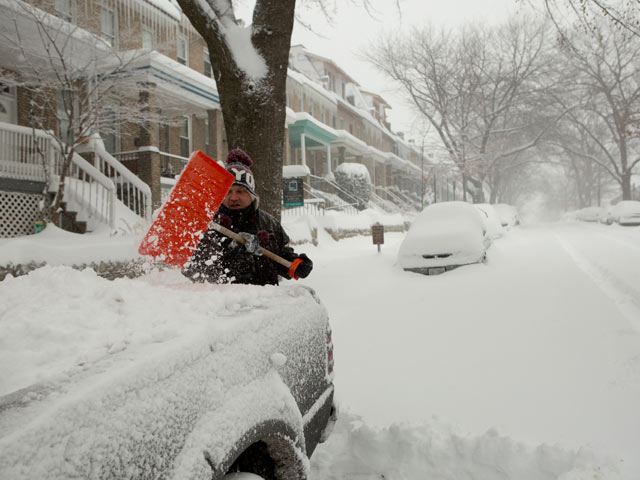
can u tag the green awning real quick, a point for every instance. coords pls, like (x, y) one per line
(315, 135)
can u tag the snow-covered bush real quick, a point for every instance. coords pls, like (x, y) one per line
(355, 180)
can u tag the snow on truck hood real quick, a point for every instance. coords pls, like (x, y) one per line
(49, 336)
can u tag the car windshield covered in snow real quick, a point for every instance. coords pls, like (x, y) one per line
(444, 236)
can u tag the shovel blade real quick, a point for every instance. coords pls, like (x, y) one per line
(184, 217)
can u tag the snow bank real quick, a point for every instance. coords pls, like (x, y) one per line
(437, 450)
(59, 247)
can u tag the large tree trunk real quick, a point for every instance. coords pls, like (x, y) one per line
(625, 182)
(254, 110)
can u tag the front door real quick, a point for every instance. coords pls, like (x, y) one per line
(7, 104)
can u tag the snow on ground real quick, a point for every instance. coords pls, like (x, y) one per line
(526, 345)
(527, 367)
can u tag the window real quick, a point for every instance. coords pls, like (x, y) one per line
(183, 51)
(109, 129)
(148, 42)
(185, 137)
(207, 64)
(64, 9)
(65, 115)
(7, 104)
(108, 26)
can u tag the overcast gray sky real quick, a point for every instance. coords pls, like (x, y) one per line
(353, 29)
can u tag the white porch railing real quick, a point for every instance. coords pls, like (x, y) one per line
(132, 191)
(27, 154)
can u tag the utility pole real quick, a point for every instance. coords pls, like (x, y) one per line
(422, 173)
(435, 191)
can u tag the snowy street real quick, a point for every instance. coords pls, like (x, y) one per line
(541, 344)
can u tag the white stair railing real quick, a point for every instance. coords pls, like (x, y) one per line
(131, 191)
(89, 188)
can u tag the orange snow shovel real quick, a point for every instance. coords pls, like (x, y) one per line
(185, 216)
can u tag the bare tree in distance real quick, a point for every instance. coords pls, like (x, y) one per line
(76, 83)
(249, 64)
(472, 87)
(604, 72)
(567, 14)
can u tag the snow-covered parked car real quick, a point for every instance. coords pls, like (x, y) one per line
(508, 215)
(152, 379)
(605, 215)
(626, 212)
(444, 236)
(494, 226)
(588, 214)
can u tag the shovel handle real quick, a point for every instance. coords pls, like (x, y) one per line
(267, 253)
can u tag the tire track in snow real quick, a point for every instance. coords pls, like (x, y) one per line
(625, 296)
(628, 241)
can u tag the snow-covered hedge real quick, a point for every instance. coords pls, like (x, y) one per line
(355, 179)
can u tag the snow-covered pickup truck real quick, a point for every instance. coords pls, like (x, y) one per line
(136, 379)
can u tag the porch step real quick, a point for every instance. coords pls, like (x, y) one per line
(69, 220)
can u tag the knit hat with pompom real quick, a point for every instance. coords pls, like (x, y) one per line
(239, 164)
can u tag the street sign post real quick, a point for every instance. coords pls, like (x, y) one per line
(377, 234)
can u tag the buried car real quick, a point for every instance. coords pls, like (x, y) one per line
(494, 225)
(508, 215)
(626, 213)
(211, 381)
(444, 236)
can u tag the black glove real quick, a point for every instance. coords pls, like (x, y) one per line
(304, 268)
(263, 237)
(251, 243)
(223, 220)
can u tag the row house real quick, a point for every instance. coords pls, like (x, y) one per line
(161, 109)
(343, 122)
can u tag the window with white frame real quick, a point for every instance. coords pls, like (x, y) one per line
(183, 51)
(108, 26)
(64, 9)
(109, 128)
(185, 137)
(207, 64)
